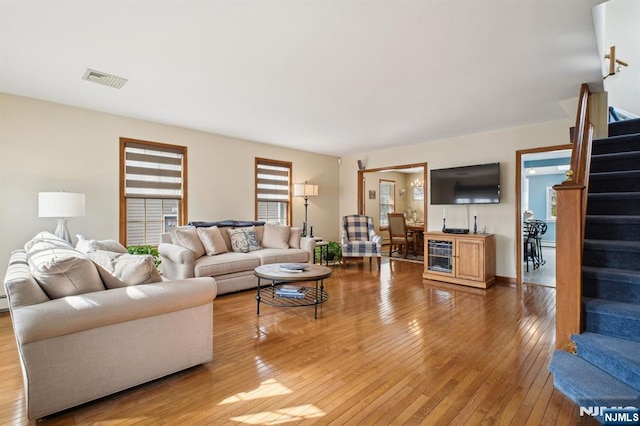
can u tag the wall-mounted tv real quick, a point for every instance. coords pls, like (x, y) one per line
(477, 184)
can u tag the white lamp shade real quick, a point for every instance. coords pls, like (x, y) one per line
(305, 190)
(60, 204)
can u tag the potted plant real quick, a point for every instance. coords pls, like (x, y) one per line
(151, 250)
(334, 251)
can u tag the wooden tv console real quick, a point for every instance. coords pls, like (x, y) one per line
(466, 259)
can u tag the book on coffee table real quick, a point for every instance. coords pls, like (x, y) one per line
(292, 291)
(293, 267)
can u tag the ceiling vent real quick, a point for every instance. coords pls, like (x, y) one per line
(104, 78)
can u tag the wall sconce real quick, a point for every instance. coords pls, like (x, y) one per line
(61, 205)
(611, 56)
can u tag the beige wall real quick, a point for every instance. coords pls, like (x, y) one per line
(496, 146)
(50, 147)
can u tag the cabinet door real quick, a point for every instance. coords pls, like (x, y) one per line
(440, 256)
(470, 259)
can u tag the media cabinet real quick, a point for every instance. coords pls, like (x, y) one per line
(466, 259)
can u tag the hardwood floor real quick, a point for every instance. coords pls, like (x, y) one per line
(387, 348)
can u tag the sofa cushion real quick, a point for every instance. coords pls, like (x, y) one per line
(294, 237)
(86, 246)
(124, 269)
(276, 236)
(244, 240)
(225, 263)
(268, 256)
(212, 240)
(187, 237)
(62, 271)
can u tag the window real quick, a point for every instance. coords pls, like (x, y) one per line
(387, 200)
(551, 204)
(273, 195)
(153, 191)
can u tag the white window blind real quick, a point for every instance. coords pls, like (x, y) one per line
(153, 192)
(273, 180)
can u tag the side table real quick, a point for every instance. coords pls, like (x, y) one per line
(324, 249)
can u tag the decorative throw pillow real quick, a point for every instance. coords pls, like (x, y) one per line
(244, 240)
(294, 237)
(276, 236)
(124, 269)
(62, 271)
(187, 237)
(212, 240)
(46, 239)
(85, 246)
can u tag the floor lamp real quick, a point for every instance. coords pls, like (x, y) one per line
(305, 190)
(61, 205)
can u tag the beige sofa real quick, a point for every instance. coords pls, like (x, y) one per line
(206, 249)
(79, 340)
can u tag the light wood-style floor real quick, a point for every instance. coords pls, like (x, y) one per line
(387, 348)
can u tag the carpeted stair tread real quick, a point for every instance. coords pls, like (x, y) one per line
(613, 227)
(611, 254)
(587, 385)
(618, 357)
(623, 275)
(616, 161)
(621, 143)
(624, 127)
(616, 319)
(611, 203)
(620, 181)
(615, 245)
(620, 285)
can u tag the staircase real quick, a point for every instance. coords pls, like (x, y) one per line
(606, 370)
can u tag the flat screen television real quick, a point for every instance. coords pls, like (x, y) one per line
(477, 184)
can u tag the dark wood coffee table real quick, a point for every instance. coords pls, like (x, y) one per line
(273, 272)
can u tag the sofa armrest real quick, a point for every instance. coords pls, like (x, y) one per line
(86, 311)
(177, 261)
(308, 244)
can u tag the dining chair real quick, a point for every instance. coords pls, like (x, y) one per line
(398, 235)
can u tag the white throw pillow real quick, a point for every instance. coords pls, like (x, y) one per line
(85, 246)
(187, 237)
(276, 236)
(124, 269)
(212, 240)
(61, 271)
(294, 237)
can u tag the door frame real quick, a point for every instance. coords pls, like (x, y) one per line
(519, 155)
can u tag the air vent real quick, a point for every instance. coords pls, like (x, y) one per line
(104, 78)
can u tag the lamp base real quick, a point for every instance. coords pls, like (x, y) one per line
(62, 231)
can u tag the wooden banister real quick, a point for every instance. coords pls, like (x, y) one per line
(571, 199)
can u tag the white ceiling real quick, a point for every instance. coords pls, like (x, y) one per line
(327, 76)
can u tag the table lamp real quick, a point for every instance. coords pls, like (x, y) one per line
(61, 205)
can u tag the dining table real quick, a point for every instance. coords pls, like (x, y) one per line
(417, 230)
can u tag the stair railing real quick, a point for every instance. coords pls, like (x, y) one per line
(571, 208)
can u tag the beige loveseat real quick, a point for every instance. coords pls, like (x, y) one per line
(82, 335)
(207, 249)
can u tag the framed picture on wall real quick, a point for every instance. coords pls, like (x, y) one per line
(372, 194)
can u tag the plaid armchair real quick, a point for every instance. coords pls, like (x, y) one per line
(359, 239)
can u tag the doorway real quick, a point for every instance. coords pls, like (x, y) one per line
(538, 170)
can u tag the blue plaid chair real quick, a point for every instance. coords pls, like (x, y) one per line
(359, 239)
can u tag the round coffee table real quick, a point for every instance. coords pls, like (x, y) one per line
(272, 294)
